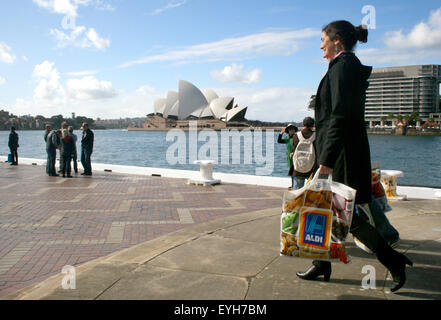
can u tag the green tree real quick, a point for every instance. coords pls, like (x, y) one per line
(78, 122)
(56, 121)
(311, 104)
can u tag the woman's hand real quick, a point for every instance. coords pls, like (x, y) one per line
(283, 131)
(325, 170)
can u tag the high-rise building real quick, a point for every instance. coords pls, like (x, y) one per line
(403, 90)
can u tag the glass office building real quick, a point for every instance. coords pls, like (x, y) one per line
(403, 90)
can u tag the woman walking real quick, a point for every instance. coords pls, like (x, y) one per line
(341, 140)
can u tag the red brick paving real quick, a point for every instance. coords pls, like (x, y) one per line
(68, 221)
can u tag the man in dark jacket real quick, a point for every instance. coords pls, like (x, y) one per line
(52, 143)
(13, 146)
(74, 153)
(48, 130)
(86, 149)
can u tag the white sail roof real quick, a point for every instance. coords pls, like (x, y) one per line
(172, 97)
(207, 112)
(233, 112)
(159, 105)
(190, 99)
(174, 111)
(219, 106)
(210, 95)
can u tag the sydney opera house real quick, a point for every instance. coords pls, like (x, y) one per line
(189, 103)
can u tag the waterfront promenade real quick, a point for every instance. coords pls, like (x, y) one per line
(144, 237)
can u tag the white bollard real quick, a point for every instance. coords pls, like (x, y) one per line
(206, 171)
(389, 181)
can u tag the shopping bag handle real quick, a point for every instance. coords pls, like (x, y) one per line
(323, 176)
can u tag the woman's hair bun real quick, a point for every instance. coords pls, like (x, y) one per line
(361, 33)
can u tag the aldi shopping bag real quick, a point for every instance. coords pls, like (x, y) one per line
(316, 220)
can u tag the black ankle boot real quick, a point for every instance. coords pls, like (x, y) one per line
(317, 269)
(399, 273)
(396, 263)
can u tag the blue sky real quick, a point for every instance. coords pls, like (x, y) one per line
(112, 58)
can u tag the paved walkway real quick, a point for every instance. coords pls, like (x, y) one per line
(49, 222)
(232, 255)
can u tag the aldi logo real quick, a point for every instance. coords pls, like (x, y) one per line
(315, 228)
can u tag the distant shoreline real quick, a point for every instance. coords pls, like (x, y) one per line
(407, 134)
(276, 129)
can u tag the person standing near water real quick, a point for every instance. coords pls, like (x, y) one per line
(48, 130)
(342, 144)
(290, 130)
(13, 146)
(74, 153)
(52, 142)
(86, 149)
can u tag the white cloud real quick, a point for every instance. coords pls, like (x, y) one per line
(25, 59)
(271, 43)
(272, 103)
(79, 37)
(130, 104)
(49, 87)
(86, 96)
(5, 54)
(2, 80)
(424, 35)
(235, 73)
(70, 7)
(171, 5)
(89, 88)
(96, 40)
(421, 44)
(65, 7)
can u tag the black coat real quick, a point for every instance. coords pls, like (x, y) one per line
(342, 142)
(87, 140)
(13, 140)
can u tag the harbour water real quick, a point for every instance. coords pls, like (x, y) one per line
(419, 157)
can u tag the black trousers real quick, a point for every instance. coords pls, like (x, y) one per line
(51, 158)
(66, 164)
(370, 237)
(14, 155)
(75, 162)
(85, 160)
